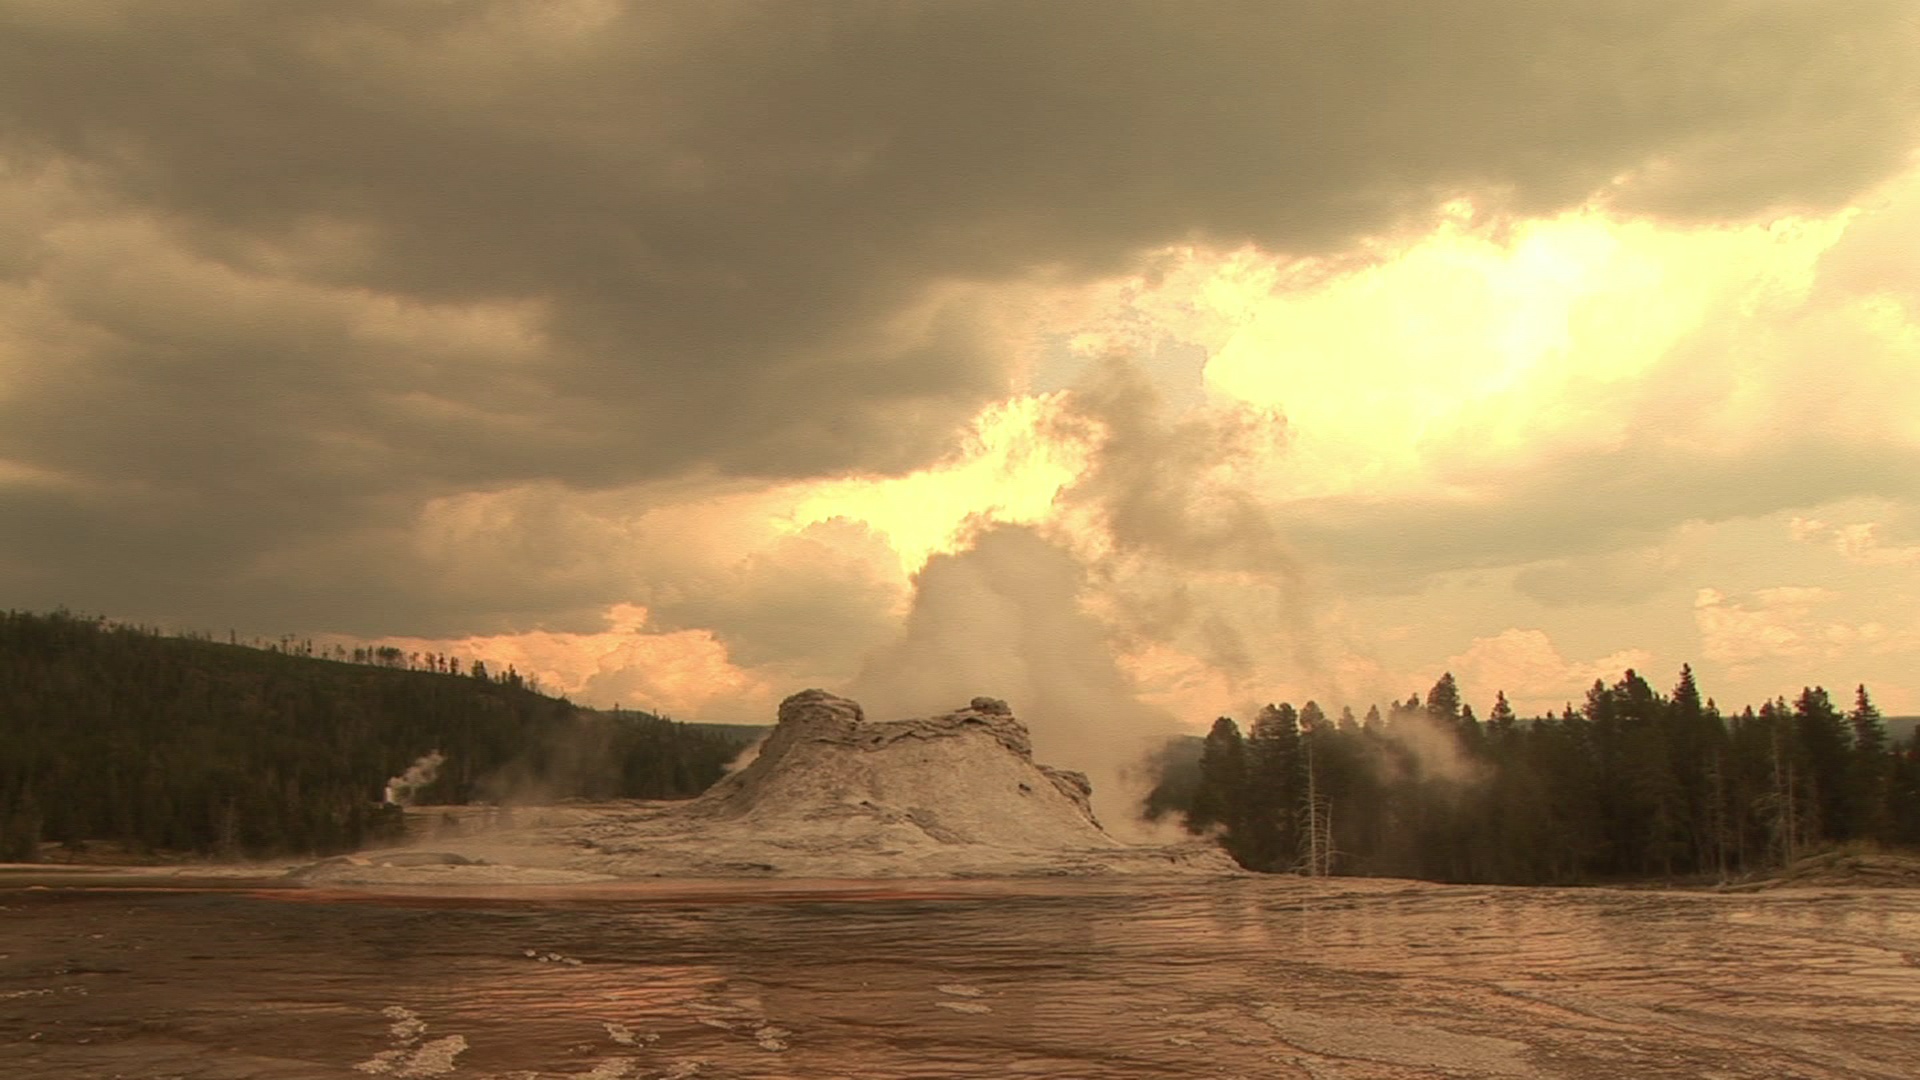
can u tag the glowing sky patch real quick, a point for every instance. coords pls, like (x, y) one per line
(1476, 343)
(1012, 468)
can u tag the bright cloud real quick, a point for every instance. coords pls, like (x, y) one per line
(1012, 467)
(1474, 341)
(1537, 679)
(1780, 623)
(684, 674)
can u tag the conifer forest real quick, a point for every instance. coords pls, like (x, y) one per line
(1634, 784)
(119, 735)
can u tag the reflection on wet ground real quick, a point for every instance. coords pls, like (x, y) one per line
(1243, 978)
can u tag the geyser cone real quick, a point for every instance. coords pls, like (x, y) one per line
(964, 777)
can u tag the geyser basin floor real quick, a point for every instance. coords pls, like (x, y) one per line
(1267, 978)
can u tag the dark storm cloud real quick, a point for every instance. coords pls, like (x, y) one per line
(723, 226)
(1617, 577)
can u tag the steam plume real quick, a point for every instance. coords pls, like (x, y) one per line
(1004, 618)
(1167, 495)
(400, 789)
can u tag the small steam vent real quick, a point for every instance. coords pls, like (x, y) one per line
(401, 789)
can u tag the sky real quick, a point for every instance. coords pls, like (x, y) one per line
(1137, 363)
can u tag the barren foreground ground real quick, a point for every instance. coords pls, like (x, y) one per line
(162, 976)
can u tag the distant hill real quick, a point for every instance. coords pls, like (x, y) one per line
(740, 733)
(153, 743)
(1901, 728)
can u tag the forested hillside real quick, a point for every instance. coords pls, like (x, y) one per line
(1634, 784)
(155, 743)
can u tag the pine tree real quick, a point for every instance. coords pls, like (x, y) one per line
(1315, 811)
(1903, 794)
(1785, 813)
(1500, 719)
(1443, 701)
(1826, 744)
(1695, 750)
(1471, 733)
(1273, 788)
(1219, 799)
(1871, 769)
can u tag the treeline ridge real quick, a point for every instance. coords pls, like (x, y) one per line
(121, 735)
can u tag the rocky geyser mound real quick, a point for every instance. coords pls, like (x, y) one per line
(964, 777)
(832, 794)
